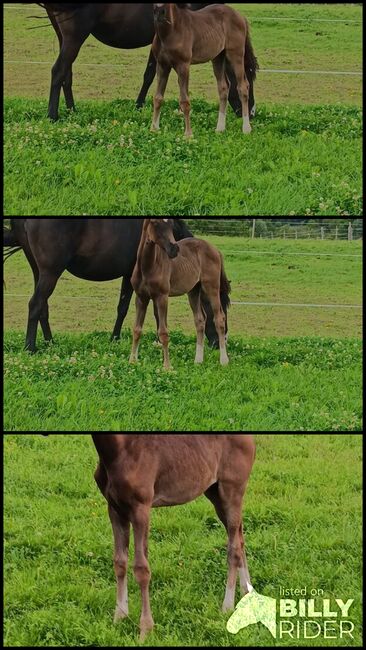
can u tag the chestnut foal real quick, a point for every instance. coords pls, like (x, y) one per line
(216, 33)
(165, 268)
(138, 472)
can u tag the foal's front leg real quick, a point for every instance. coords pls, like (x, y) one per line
(142, 304)
(140, 518)
(163, 73)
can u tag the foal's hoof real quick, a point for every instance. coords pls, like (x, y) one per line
(145, 630)
(247, 129)
(119, 615)
(154, 129)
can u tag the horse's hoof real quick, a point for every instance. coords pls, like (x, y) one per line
(119, 615)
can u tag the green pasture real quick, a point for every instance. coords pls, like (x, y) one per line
(103, 161)
(303, 157)
(329, 273)
(83, 383)
(313, 45)
(303, 521)
(292, 368)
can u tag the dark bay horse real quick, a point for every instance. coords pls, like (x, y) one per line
(217, 33)
(91, 249)
(165, 268)
(138, 472)
(121, 25)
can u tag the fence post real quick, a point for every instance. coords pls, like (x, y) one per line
(322, 232)
(350, 232)
(336, 233)
(253, 231)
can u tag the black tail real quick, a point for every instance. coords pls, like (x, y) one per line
(225, 290)
(10, 242)
(60, 6)
(250, 61)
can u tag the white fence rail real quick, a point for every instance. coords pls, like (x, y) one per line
(268, 229)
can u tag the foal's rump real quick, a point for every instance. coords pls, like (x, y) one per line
(213, 28)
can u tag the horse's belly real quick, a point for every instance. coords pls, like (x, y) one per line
(95, 270)
(166, 496)
(184, 276)
(208, 53)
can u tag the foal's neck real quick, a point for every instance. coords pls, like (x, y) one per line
(153, 257)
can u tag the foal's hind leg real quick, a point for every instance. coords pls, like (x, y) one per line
(213, 295)
(121, 532)
(236, 58)
(200, 322)
(182, 70)
(228, 502)
(161, 304)
(223, 88)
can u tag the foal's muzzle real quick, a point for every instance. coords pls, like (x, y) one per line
(173, 251)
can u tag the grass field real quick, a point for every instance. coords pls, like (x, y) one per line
(303, 522)
(321, 276)
(311, 379)
(104, 161)
(313, 45)
(303, 157)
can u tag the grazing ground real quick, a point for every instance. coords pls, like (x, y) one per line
(308, 42)
(104, 161)
(309, 380)
(303, 521)
(303, 158)
(260, 271)
(85, 384)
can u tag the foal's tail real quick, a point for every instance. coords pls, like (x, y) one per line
(225, 289)
(250, 60)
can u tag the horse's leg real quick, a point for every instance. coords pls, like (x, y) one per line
(142, 304)
(228, 502)
(182, 70)
(235, 57)
(123, 306)
(44, 317)
(149, 76)
(162, 309)
(121, 532)
(140, 518)
(62, 73)
(223, 88)
(163, 73)
(200, 322)
(38, 305)
(213, 294)
(234, 99)
(244, 575)
(67, 84)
